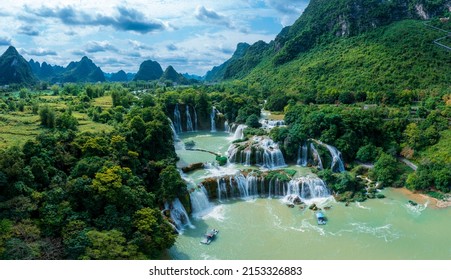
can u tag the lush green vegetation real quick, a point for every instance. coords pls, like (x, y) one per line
(85, 170)
(76, 194)
(379, 66)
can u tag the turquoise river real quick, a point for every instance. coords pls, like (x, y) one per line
(265, 228)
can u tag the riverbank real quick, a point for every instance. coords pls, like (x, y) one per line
(423, 198)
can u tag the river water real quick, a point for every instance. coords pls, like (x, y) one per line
(265, 228)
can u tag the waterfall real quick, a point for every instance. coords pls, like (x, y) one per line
(174, 133)
(239, 132)
(266, 151)
(272, 155)
(199, 200)
(251, 186)
(196, 127)
(177, 119)
(270, 124)
(336, 159)
(247, 161)
(189, 123)
(222, 188)
(178, 214)
(302, 155)
(241, 184)
(276, 188)
(307, 188)
(247, 186)
(213, 119)
(226, 127)
(316, 156)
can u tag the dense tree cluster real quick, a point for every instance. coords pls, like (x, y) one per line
(72, 195)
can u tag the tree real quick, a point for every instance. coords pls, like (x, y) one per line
(66, 121)
(252, 121)
(385, 169)
(154, 233)
(109, 245)
(47, 116)
(171, 184)
(368, 153)
(276, 102)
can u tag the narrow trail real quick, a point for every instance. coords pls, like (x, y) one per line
(437, 41)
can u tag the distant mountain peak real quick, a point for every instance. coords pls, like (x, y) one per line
(11, 51)
(149, 70)
(120, 76)
(14, 69)
(173, 76)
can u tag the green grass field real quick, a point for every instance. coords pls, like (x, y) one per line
(16, 128)
(105, 102)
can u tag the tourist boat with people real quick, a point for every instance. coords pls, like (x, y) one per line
(321, 218)
(209, 236)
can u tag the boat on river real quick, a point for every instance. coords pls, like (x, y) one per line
(209, 236)
(321, 218)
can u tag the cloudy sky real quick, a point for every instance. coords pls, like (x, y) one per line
(191, 35)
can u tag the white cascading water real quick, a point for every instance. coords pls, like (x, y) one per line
(247, 186)
(226, 127)
(337, 161)
(307, 188)
(267, 153)
(316, 156)
(222, 189)
(302, 155)
(213, 119)
(199, 200)
(189, 122)
(276, 188)
(178, 215)
(270, 124)
(272, 155)
(239, 132)
(196, 128)
(175, 137)
(247, 160)
(177, 119)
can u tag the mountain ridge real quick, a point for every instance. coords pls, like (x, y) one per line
(324, 22)
(14, 69)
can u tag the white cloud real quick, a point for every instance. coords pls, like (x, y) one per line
(211, 16)
(193, 35)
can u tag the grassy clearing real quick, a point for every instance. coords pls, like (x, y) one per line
(16, 128)
(105, 102)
